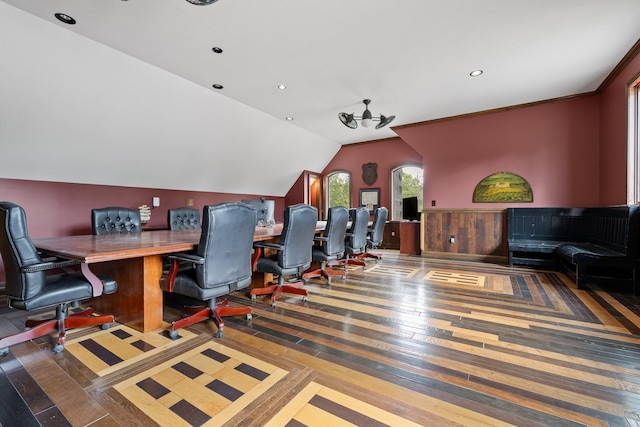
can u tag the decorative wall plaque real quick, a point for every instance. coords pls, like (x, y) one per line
(369, 173)
(503, 187)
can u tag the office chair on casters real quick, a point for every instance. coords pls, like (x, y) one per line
(114, 220)
(356, 239)
(184, 219)
(375, 233)
(27, 286)
(293, 253)
(331, 245)
(222, 264)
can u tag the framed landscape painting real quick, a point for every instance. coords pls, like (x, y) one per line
(503, 187)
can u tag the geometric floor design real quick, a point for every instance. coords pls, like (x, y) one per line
(392, 270)
(109, 350)
(206, 386)
(321, 406)
(209, 385)
(455, 278)
(525, 348)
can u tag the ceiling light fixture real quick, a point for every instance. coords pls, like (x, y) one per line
(63, 17)
(217, 86)
(476, 73)
(202, 2)
(366, 120)
(217, 49)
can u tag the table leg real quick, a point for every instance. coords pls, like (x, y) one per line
(138, 301)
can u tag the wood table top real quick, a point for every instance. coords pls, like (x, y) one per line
(90, 249)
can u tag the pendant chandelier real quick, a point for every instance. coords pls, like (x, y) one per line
(202, 2)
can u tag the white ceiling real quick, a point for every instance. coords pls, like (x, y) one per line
(412, 58)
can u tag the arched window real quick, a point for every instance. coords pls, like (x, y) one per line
(338, 187)
(406, 181)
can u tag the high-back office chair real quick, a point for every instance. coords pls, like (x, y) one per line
(27, 286)
(222, 264)
(331, 244)
(114, 219)
(293, 252)
(183, 219)
(375, 233)
(356, 239)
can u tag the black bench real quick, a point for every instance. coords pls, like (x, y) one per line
(600, 243)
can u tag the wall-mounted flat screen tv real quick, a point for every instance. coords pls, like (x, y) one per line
(410, 209)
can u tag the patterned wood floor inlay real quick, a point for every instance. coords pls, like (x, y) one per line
(455, 278)
(394, 270)
(107, 351)
(319, 406)
(405, 340)
(206, 386)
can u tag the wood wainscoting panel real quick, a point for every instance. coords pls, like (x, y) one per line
(476, 232)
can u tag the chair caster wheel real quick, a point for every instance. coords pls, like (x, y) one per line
(273, 304)
(173, 335)
(220, 333)
(105, 326)
(304, 299)
(253, 297)
(4, 351)
(58, 348)
(249, 317)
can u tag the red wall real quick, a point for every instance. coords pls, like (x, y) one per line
(388, 154)
(59, 209)
(554, 146)
(613, 136)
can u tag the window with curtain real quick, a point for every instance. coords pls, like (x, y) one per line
(406, 181)
(338, 187)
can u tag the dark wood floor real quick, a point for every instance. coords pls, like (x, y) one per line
(407, 339)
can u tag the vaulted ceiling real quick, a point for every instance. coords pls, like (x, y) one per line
(124, 96)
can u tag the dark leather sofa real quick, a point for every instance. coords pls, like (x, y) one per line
(594, 243)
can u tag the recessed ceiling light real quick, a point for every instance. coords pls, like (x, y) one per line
(282, 87)
(475, 73)
(289, 119)
(217, 86)
(62, 17)
(216, 49)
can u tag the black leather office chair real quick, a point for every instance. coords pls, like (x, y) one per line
(331, 246)
(27, 286)
(356, 240)
(375, 233)
(222, 264)
(293, 252)
(184, 219)
(113, 220)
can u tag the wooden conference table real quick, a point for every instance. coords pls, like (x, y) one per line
(135, 262)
